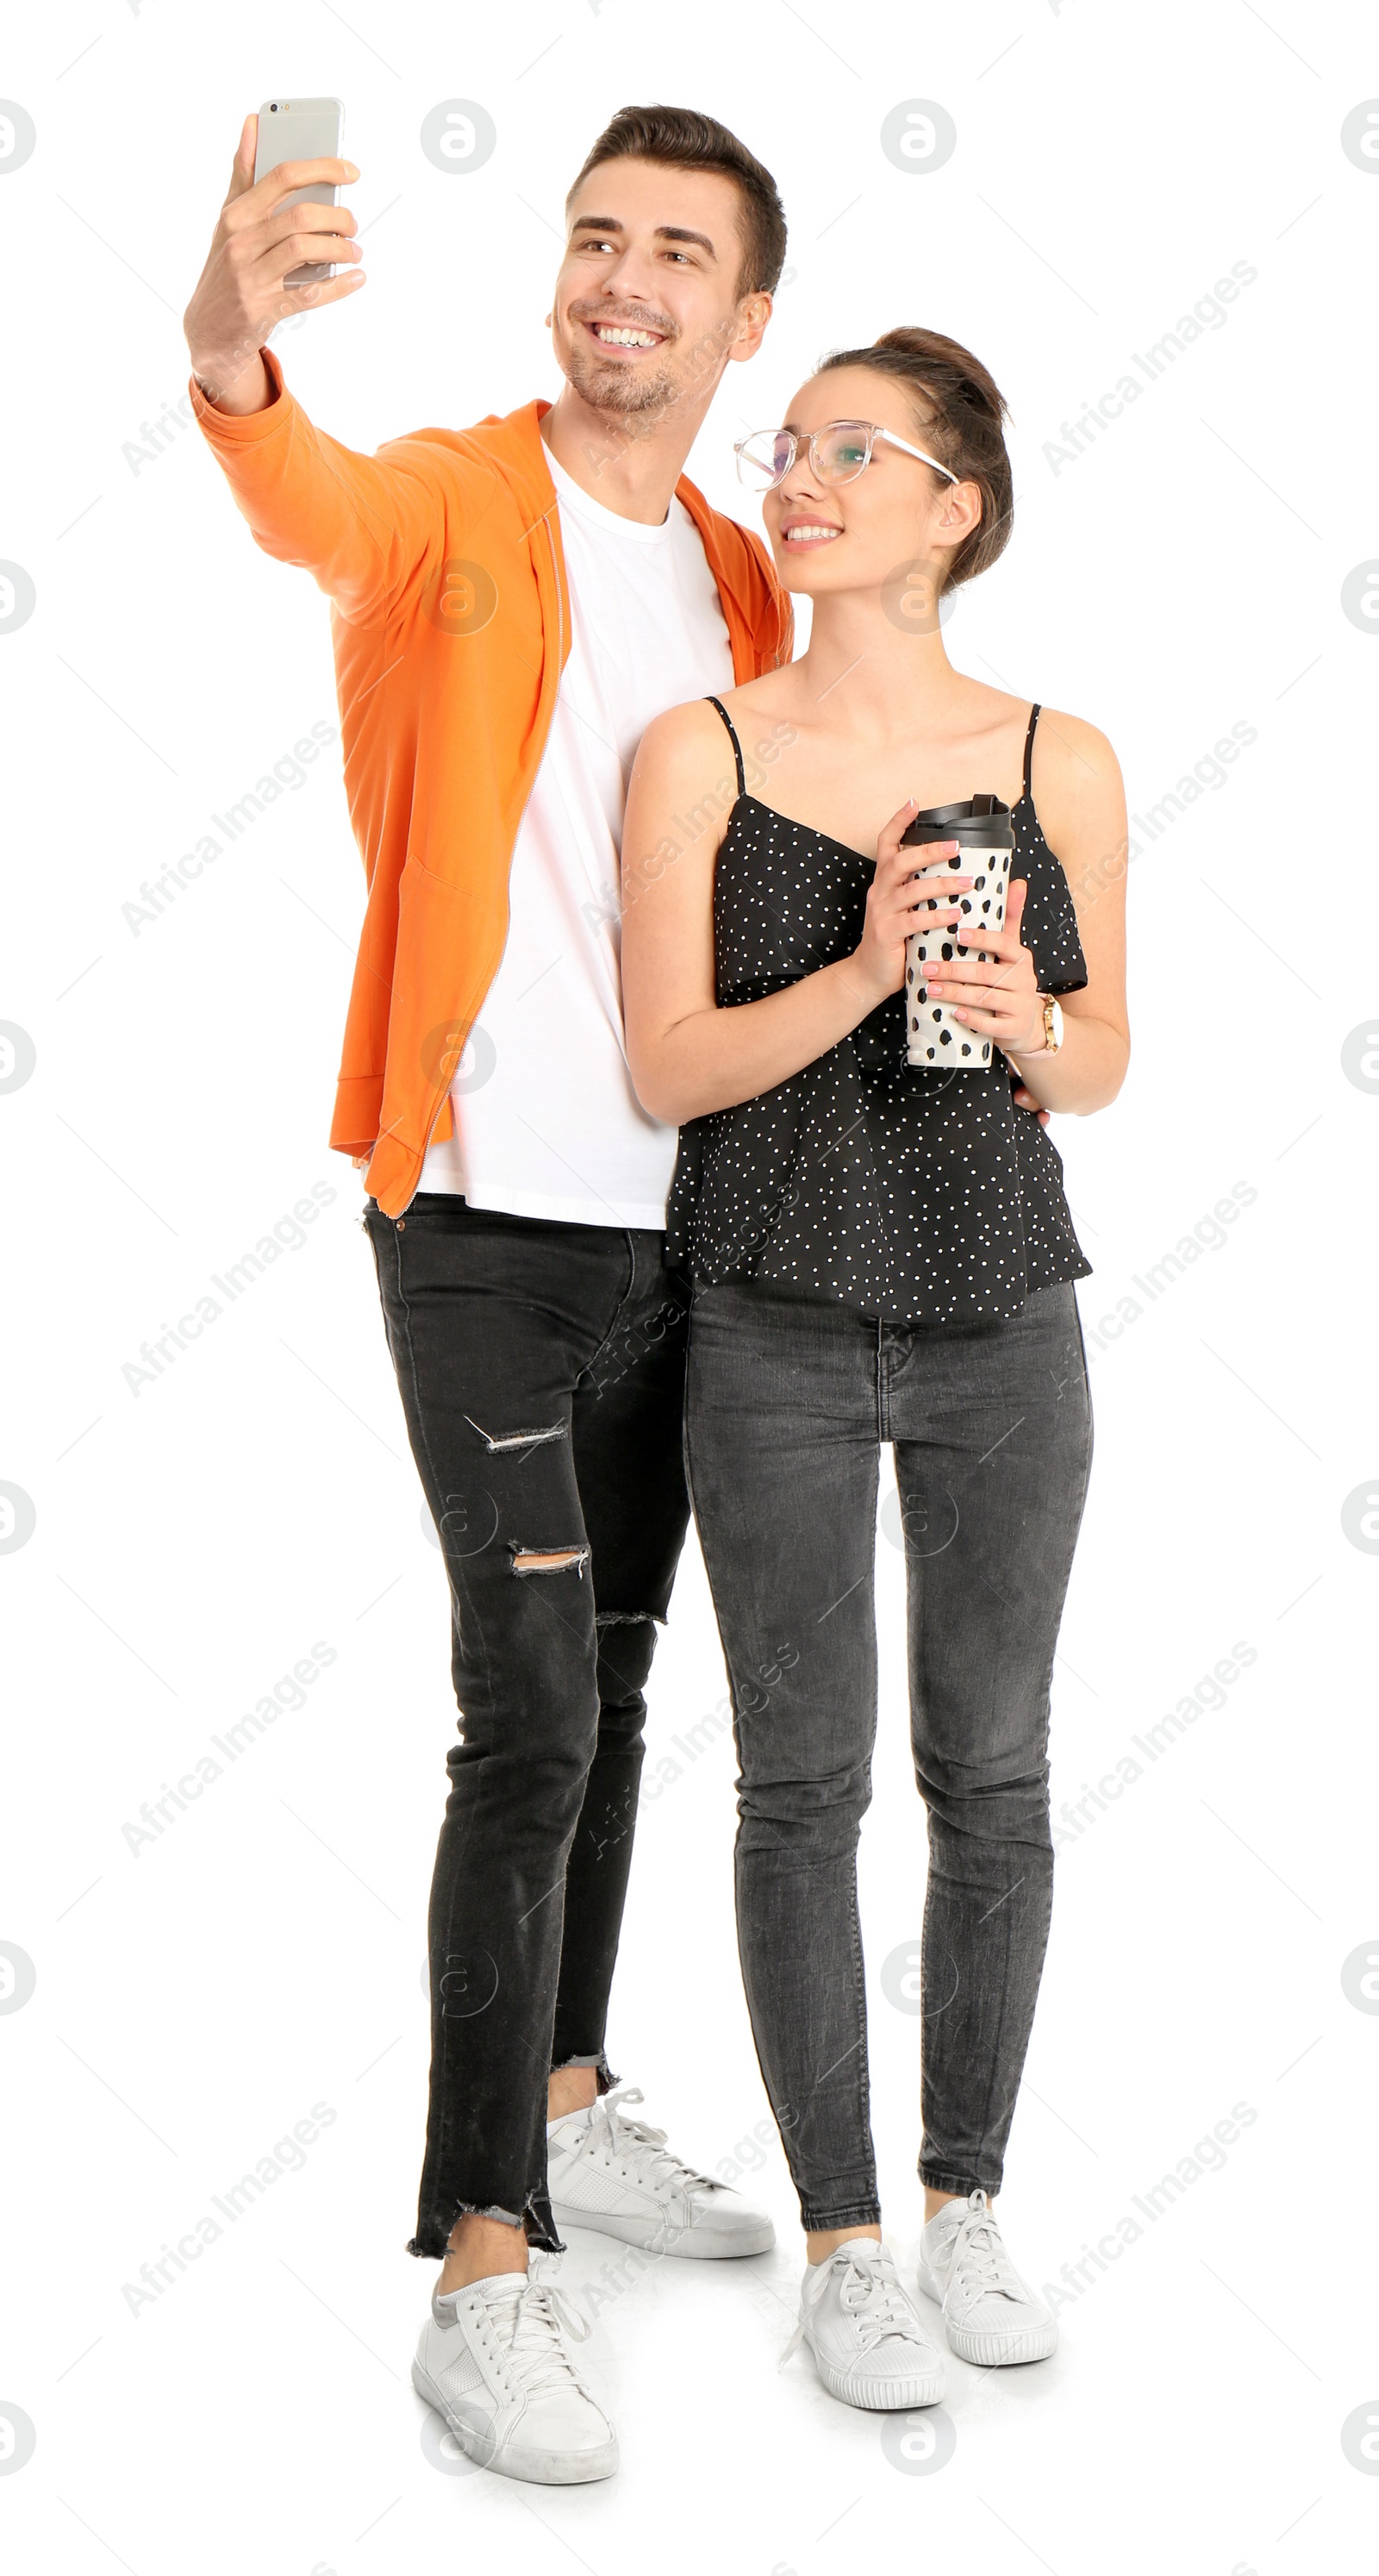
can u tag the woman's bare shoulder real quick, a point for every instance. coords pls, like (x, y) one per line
(1079, 797)
(1070, 752)
(685, 736)
(681, 793)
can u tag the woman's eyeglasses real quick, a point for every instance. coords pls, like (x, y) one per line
(837, 453)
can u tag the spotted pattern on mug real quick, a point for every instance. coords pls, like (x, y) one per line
(934, 1035)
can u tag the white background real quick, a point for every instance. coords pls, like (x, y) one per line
(193, 1540)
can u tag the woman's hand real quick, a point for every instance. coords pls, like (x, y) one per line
(903, 898)
(907, 893)
(1000, 999)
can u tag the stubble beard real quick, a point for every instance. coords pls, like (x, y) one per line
(622, 391)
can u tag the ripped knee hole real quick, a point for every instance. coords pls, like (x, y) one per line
(549, 1560)
(497, 1441)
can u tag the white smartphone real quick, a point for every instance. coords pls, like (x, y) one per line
(301, 129)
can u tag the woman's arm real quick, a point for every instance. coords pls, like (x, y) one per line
(1081, 807)
(687, 1056)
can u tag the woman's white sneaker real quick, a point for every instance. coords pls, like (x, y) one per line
(869, 2346)
(494, 2360)
(619, 2176)
(990, 2315)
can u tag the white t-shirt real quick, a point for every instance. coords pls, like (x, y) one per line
(547, 1123)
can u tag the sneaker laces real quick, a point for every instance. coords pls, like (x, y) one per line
(536, 2355)
(871, 2294)
(637, 2146)
(979, 2265)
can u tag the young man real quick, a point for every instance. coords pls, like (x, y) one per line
(511, 605)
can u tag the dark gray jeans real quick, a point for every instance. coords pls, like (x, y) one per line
(788, 1401)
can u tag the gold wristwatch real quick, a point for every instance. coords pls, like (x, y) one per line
(1053, 1024)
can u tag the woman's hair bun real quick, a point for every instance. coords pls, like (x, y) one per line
(933, 350)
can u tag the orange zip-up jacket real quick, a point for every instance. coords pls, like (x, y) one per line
(450, 613)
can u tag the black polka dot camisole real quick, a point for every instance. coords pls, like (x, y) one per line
(922, 1196)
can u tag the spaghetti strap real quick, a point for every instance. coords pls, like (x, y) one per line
(737, 747)
(1029, 744)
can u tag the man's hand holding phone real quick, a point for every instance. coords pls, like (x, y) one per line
(241, 292)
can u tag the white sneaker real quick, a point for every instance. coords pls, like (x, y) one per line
(493, 2360)
(619, 2176)
(990, 2315)
(868, 2344)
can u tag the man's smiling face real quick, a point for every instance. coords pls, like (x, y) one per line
(647, 300)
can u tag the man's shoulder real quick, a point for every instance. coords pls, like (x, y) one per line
(726, 534)
(743, 568)
(738, 557)
(495, 430)
(503, 447)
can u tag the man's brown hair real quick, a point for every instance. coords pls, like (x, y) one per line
(685, 140)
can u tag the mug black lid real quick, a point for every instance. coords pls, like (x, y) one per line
(980, 822)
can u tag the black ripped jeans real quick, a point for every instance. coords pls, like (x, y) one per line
(541, 1368)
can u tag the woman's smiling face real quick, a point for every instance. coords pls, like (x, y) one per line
(830, 538)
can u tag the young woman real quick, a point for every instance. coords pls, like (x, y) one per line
(881, 1252)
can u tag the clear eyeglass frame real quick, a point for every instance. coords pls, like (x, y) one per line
(765, 457)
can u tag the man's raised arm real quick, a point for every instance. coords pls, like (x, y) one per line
(357, 523)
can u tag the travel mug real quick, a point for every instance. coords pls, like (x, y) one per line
(986, 842)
